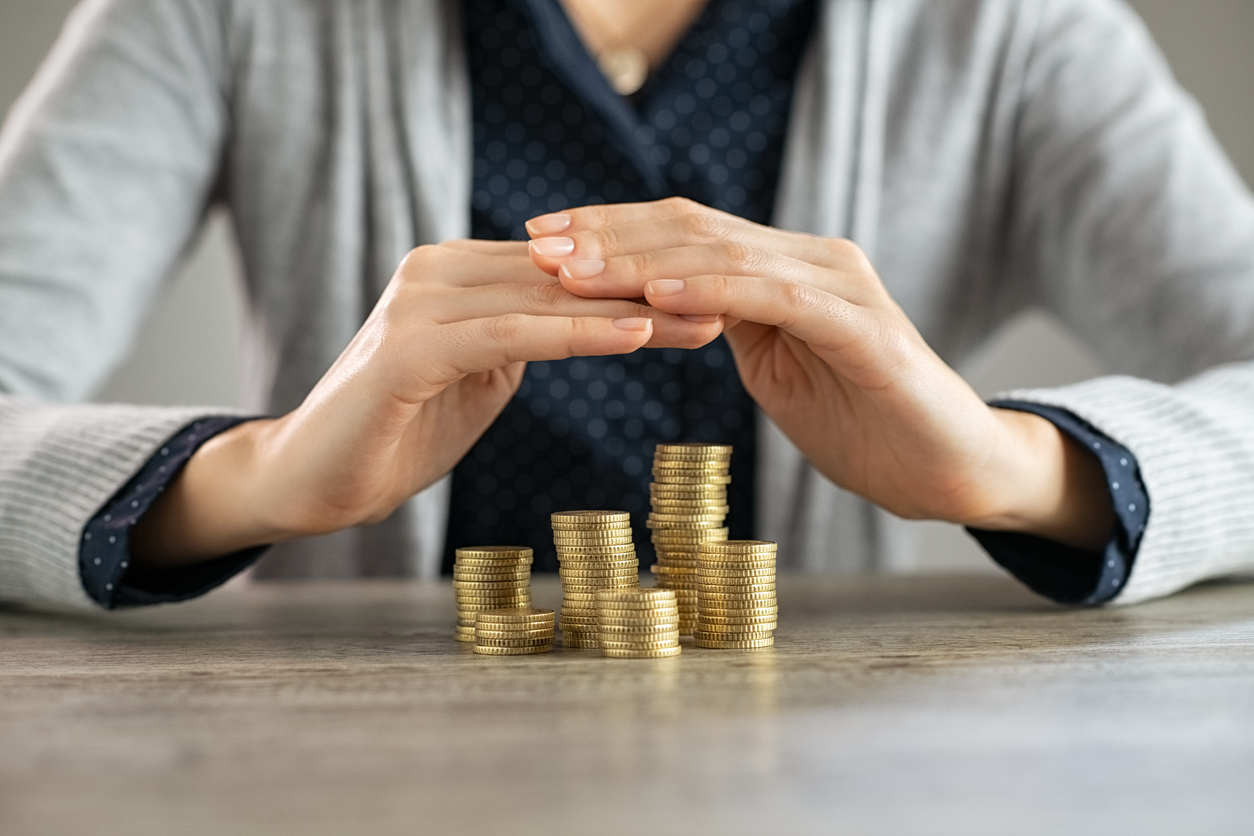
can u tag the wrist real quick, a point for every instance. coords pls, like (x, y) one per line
(1046, 485)
(215, 506)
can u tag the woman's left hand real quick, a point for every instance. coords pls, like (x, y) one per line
(825, 351)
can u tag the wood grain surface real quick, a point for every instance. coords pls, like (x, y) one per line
(889, 705)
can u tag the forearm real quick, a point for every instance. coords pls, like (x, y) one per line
(1046, 485)
(214, 507)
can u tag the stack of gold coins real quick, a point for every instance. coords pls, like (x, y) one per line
(513, 632)
(689, 499)
(736, 579)
(489, 578)
(636, 623)
(594, 551)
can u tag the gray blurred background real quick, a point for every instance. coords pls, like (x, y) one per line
(189, 353)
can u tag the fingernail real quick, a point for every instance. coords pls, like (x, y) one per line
(665, 287)
(549, 224)
(700, 317)
(553, 247)
(582, 269)
(638, 323)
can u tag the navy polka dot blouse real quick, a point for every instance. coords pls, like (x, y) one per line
(549, 134)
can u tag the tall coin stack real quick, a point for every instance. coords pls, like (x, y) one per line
(636, 623)
(489, 578)
(594, 551)
(736, 579)
(513, 632)
(689, 499)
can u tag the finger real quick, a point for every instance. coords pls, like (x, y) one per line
(625, 276)
(464, 265)
(481, 345)
(487, 247)
(483, 302)
(824, 320)
(612, 214)
(582, 253)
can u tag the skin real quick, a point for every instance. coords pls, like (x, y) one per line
(818, 341)
(437, 360)
(837, 365)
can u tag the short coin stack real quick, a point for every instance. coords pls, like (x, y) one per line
(594, 551)
(736, 579)
(513, 632)
(489, 578)
(689, 499)
(635, 623)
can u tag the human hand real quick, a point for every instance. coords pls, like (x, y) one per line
(434, 364)
(834, 361)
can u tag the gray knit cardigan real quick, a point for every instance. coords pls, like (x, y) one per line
(990, 155)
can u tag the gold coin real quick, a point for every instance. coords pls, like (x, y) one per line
(684, 537)
(495, 567)
(692, 448)
(516, 614)
(670, 641)
(710, 614)
(589, 517)
(669, 525)
(516, 583)
(745, 546)
(644, 622)
(687, 517)
(725, 599)
(744, 622)
(636, 596)
(583, 643)
(739, 563)
(660, 653)
(740, 631)
(516, 641)
(597, 571)
(520, 577)
(662, 489)
(576, 625)
(600, 542)
(628, 611)
(692, 461)
(704, 586)
(482, 635)
(597, 561)
(464, 637)
(606, 628)
(637, 617)
(621, 551)
(750, 644)
(492, 551)
(679, 477)
(488, 601)
(680, 513)
(513, 651)
(739, 574)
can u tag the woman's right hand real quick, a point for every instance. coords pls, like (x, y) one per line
(434, 364)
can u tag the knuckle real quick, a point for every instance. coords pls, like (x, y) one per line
(742, 257)
(680, 205)
(418, 261)
(604, 241)
(703, 227)
(502, 329)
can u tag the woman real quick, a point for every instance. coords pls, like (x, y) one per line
(983, 156)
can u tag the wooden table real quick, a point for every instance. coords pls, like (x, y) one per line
(890, 705)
